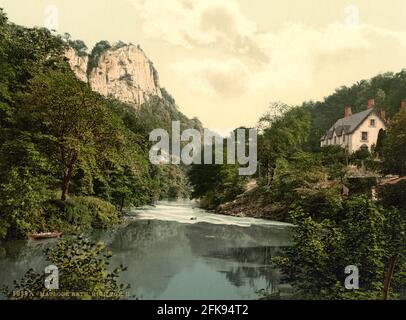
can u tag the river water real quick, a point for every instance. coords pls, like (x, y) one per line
(175, 250)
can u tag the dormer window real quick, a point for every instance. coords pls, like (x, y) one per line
(364, 136)
(372, 122)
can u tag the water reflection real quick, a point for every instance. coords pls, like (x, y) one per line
(172, 260)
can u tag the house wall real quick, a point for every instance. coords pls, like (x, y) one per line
(349, 145)
(353, 141)
(373, 132)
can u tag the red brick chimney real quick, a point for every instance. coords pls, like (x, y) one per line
(403, 105)
(371, 103)
(347, 112)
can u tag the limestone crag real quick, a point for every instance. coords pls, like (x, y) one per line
(123, 72)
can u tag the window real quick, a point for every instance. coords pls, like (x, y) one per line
(335, 140)
(343, 138)
(372, 122)
(364, 136)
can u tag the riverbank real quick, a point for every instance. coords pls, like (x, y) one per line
(255, 204)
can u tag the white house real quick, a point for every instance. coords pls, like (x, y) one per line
(356, 131)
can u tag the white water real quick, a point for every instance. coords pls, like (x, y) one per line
(187, 212)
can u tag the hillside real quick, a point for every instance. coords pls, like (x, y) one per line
(74, 143)
(388, 89)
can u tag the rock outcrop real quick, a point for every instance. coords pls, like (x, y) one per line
(78, 64)
(123, 72)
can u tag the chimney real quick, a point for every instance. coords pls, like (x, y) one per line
(371, 103)
(403, 105)
(383, 114)
(347, 112)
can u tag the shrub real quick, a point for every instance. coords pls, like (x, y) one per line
(79, 213)
(102, 213)
(394, 195)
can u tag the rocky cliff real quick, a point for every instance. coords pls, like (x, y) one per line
(121, 71)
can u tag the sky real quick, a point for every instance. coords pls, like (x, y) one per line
(225, 61)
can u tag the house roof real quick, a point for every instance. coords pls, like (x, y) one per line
(349, 124)
(391, 181)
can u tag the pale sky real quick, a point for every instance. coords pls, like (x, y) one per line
(225, 61)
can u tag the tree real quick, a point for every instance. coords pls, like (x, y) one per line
(380, 143)
(26, 181)
(215, 184)
(79, 46)
(283, 131)
(394, 152)
(73, 122)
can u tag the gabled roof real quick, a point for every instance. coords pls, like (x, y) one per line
(349, 124)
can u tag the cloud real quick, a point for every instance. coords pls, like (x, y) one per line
(294, 60)
(300, 52)
(212, 77)
(303, 59)
(201, 23)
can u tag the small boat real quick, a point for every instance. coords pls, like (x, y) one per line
(44, 235)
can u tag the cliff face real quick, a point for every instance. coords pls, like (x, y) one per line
(123, 72)
(78, 63)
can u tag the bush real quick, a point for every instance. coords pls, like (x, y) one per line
(102, 213)
(79, 213)
(394, 195)
(359, 186)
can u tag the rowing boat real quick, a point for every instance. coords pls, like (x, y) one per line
(44, 235)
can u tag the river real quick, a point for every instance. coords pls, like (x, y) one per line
(174, 250)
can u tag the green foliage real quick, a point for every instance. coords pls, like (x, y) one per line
(78, 214)
(96, 53)
(24, 186)
(83, 274)
(361, 185)
(285, 129)
(103, 214)
(359, 233)
(394, 196)
(159, 113)
(75, 121)
(79, 46)
(394, 151)
(216, 184)
(380, 143)
(171, 181)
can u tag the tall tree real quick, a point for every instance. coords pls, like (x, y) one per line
(71, 121)
(284, 130)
